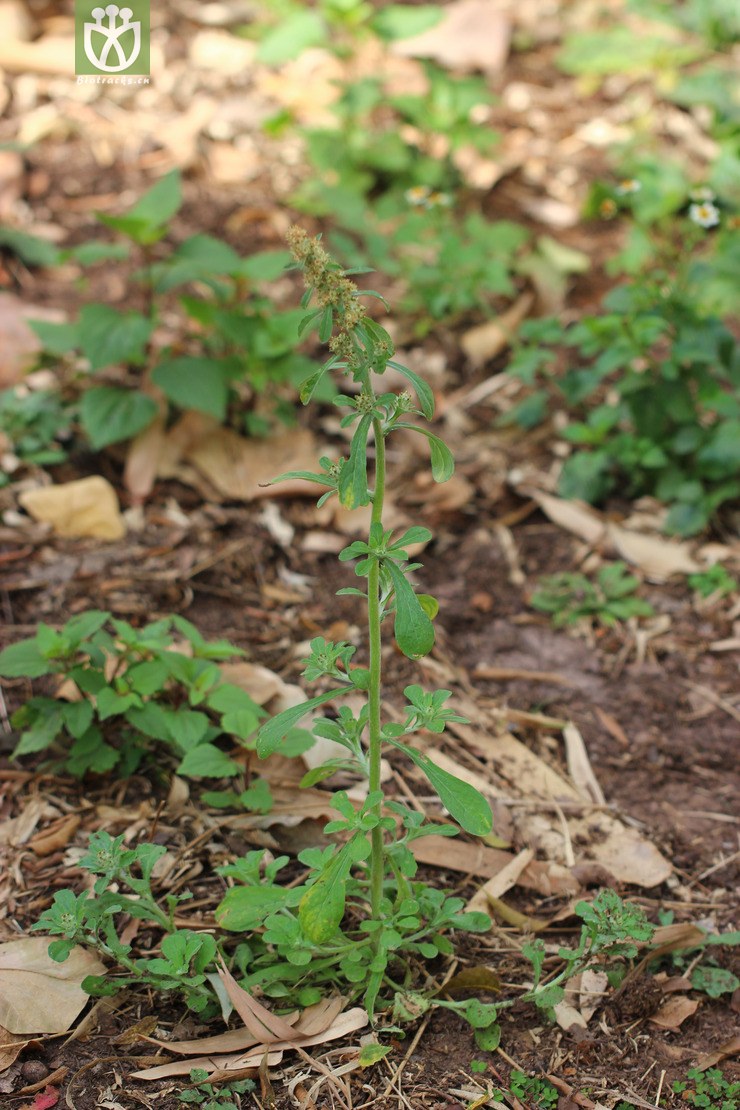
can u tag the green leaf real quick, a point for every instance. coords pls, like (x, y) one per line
(32, 250)
(443, 464)
(352, 487)
(423, 391)
(208, 762)
(24, 660)
(290, 37)
(110, 415)
(714, 981)
(245, 907)
(58, 339)
(321, 908)
(400, 21)
(195, 383)
(145, 222)
(466, 804)
(108, 336)
(413, 629)
(371, 1053)
(273, 731)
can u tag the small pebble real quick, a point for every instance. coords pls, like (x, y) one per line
(33, 1071)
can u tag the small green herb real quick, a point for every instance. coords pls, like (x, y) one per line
(571, 598)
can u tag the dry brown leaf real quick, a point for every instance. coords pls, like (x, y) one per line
(673, 1013)
(479, 978)
(38, 995)
(521, 921)
(574, 516)
(260, 683)
(579, 765)
(593, 987)
(143, 458)
(659, 558)
(265, 1027)
(56, 836)
(472, 34)
(340, 1026)
(19, 346)
(507, 877)
(711, 1059)
(10, 1048)
(242, 468)
(483, 342)
(567, 1015)
(86, 507)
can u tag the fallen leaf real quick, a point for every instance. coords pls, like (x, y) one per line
(521, 921)
(143, 458)
(478, 978)
(574, 516)
(10, 1047)
(483, 342)
(593, 987)
(19, 346)
(243, 468)
(44, 1100)
(673, 1013)
(567, 1016)
(86, 507)
(506, 878)
(579, 765)
(349, 1021)
(265, 1027)
(56, 836)
(472, 34)
(711, 1059)
(38, 995)
(658, 557)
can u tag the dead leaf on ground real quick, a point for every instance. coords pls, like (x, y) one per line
(56, 836)
(479, 978)
(579, 765)
(673, 1013)
(574, 516)
(19, 346)
(242, 468)
(472, 34)
(711, 1059)
(10, 1047)
(506, 878)
(143, 459)
(483, 342)
(659, 558)
(38, 995)
(87, 507)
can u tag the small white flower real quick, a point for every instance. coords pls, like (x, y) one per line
(417, 195)
(701, 193)
(439, 200)
(705, 215)
(629, 185)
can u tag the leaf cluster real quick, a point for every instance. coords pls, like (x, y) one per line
(130, 692)
(571, 598)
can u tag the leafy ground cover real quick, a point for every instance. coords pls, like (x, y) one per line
(551, 209)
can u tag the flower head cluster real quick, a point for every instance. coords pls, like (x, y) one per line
(629, 185)
(331, 289)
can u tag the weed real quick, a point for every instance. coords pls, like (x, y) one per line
(571, 598)
(130, 690)
(708, 1090)
(667, 371)
(716, 580)
(34, 428)
(232, 345)
(124, 887)
(531, 1090)
(206, 1096)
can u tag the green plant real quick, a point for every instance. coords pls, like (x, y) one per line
(130, 690)
(232, 346)
(531, 1090)
(715, 580)
(34, 427)
(206, 1096)
(708, 1090)
(92, 919)
(571, 598)
(371, 870)
(662, 366)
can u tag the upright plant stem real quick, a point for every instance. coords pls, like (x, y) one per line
(374, 691)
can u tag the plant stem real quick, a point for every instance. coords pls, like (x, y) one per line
(377, 863)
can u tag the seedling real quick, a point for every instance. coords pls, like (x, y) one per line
(571, 598)
(130, 691)
(716, 581)
(708, 1090)
(34, 427)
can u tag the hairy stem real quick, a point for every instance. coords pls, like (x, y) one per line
(374, 691)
